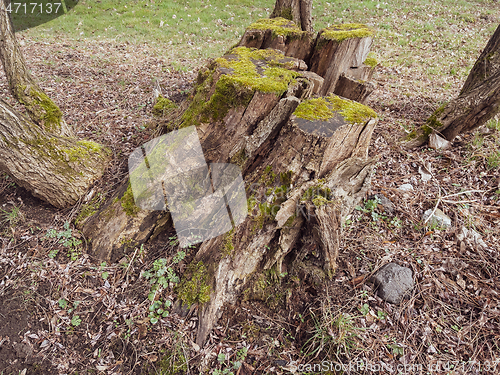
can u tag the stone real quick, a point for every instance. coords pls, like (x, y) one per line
(393, 282)
(439, 219)
(406, 187)
(385, 202)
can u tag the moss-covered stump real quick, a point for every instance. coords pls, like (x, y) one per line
(280, 34)
(56, 169)
(354, 89)
(119, 226)
(299, 11)
(338, 48)
(309, 174)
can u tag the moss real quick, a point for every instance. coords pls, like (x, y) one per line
(314, 109)
(227, 241)
(237, 84)
(371, 60)
(324, 108)
(283, 26)
(318, 194)
(274, 78)
(195, 289)
(268, 176)
(286, 13)
(286, 178)
(239, 158)
(88, 210)
(128, 203)
(163, 107)
(82, 149)
(42, 107)
(346, 31)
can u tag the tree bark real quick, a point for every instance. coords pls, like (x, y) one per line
(354, 89)
(41, 109)
(478, 102)
(298, 11)
(56, 169)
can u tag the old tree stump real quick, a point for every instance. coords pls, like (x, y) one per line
(303, 157)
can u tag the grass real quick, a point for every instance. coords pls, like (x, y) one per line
(429, 38)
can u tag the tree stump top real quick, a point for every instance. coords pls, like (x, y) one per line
(278, 26)
(323, 116)
(346, 31)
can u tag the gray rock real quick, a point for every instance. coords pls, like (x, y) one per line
(393, 282)
(439, 219)
(385, 203)
(406, 187)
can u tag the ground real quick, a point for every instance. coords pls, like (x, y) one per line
(64, 312)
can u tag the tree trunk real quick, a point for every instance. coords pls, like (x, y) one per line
(478, 102)
(354, 89)
(41, 109)
(298, 11)
(303, 160)
(56, 169)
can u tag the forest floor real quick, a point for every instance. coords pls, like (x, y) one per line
(64, 312)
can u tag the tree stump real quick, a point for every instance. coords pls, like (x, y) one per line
(280, 34)
(338, 48)
(304, 179)
(299, 11)
(354, 89)
(56, 169)
(303, 160)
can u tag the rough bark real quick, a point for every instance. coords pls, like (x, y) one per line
(353, 89)
(41, 109)
(56, 169)
(337, 49)
(298, 11)
(478, 102)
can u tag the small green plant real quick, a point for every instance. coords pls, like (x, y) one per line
(230, 366)
(381, 315)
(62, 303)
(10, 218)
(365, 309)
(67, 239)
(76, 321)
(396, 349)
(158, 309)
(159, 276)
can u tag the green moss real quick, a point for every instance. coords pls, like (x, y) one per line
(371, 60)
(268, 176)
(286, 178)
(237, 84)
(83, 149)
(346, 31)
(227, 241)
(324, 108)
(286, 13)
(318, 194)
(88, 209)
(195, 289)
(42, 107)
(274, 78)
(239, 158)
(128, 203)
(314, 109)
(163, 107)
(283, 26)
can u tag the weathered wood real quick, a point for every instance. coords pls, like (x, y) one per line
(299, 11)
(338, 48)
(228, 105)
(56, 169)
(326, 183)
(280, 34)
(363, 72)
(353, 89)
(41, 109)
(478, 102)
